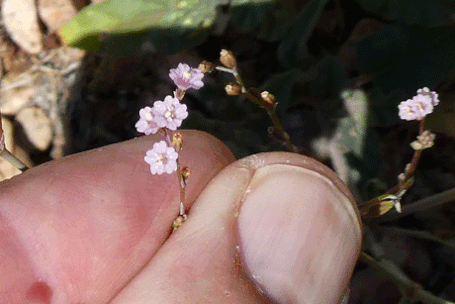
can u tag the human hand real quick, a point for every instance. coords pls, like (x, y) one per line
(95, 227)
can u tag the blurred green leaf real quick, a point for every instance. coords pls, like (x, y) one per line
(353, 128)
(293, 48)
(365, 167)
(276, 22)
(428, 13)
(331, 79)
(248, 15)
(402, 59)
(129, 27)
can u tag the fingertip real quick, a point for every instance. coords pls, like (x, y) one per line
(299, 232)
(272, 227)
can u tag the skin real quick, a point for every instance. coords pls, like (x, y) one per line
(95, 227)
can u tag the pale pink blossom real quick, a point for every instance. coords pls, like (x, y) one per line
(150, 121)
(161, 158)
(172, 111)
(185, 77)
(416, 108)
(433, 95)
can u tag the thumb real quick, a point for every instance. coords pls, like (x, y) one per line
(273, 227)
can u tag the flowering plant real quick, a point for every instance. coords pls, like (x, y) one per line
(164, 117)
(416, 108)
(167, 115)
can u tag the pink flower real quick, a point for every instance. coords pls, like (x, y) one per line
(161, 158)
(416, 108)
(185, 77)
(172, 111)
(150, 121)
(433, 95)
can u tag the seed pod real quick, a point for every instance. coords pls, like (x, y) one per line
(205, 66)
(269, 98)
(233, 89)
(227, 58)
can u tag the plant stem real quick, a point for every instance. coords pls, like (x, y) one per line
(275, 120)
(411, 167)
(421, 205)
(284, 137)
(13, 160)
(409, 288)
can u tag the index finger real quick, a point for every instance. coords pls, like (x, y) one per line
(81, 227)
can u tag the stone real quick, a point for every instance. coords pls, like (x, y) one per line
(37, 127)
(56, 13)
(20, 18)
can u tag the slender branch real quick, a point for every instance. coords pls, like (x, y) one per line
(425, 235)
(409, 288)
(13, 160)
(421, 205)
(268, 107)
(411, 167)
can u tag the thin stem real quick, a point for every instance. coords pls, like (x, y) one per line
(421, 205)
(182, 183)
(223, 69)
(13, 160)
(411, 167)
(409, 288)
(424, 235)
(276, 122)
(286, 140)
(181, 178)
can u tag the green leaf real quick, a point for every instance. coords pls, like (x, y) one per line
(427, 13)
(128, 27)
(131, 27)
(365, 167)
(276, 22)
(331, 79)
(353, 129)
(248, 15)
(405, 58)
(293, 48)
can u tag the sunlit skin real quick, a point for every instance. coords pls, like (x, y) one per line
(95, 227)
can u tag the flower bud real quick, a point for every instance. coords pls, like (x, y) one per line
(269, 98)
(424, 141)
(205, 66)
(227, 58)
(233, 89)
(178, 222)
(177, 141)
(186, 172)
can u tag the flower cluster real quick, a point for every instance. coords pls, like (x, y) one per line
(424, 141)
(167, 115)
(419, 106)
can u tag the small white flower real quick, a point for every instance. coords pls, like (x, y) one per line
(150, 121)
(433, 95)
(419, 106)
(172, 111)
(416, 108)
(424, 141)
(161, 158)
(185, 77)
